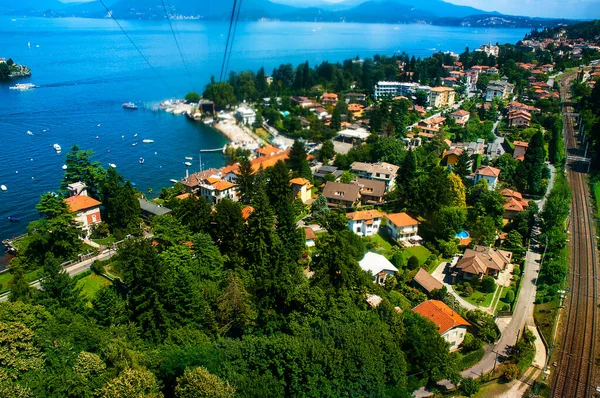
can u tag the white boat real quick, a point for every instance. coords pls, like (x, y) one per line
(189, 158)
(98, 124)
(135, 135)
(23, 86)
(29, 132)
(147, 141)
(208, 121)
(174, 181)
(57, 147)
(188, 164)
(64, 167)
(141, 160)
(114, 166)
(134, 144)
(3, 187)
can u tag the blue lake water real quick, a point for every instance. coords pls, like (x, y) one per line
(86, 68)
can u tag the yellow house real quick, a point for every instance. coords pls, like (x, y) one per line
(441, 97)
(302, 189)
(452, 155)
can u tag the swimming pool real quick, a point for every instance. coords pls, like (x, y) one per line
(462, 235)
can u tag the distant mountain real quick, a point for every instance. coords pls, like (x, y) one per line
(437, 12)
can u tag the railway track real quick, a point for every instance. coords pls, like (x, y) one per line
(576, 374)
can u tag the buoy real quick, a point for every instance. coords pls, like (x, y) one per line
(17, 172)
(96, 137)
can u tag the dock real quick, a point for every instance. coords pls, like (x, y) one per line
(10, 244)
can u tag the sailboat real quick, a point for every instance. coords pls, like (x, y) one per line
(141, 160)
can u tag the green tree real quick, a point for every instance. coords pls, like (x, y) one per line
(19, 286)
(297, 160)
(199, 383)
(192, 96)
(80, 168)
(245, 181)
(533, 166)
(327, 151)
(319, 208)
(221, 94)
(57, 287)
(132, 383)
(469, 386)
(194, 213)
(20, 353)
(413, 263)
(4, 71)
(279, 189)
(488, 284)
(462, 168)
(227, 226)
(336, 119)
(108, 307)
(235, 307)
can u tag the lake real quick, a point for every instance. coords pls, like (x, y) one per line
(86, 68)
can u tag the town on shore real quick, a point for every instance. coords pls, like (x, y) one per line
(401, 217)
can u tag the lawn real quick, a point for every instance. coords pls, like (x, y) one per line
(262, 133)
(105, 241)
(545, 317)
(597, 197)
(91, 284)
(6, 277)
(421, 252)
(384, 247)
(480, 299)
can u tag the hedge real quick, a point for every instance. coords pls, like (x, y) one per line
(471, 359)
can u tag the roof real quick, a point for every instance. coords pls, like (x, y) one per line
(441, 315)
(268, 150)
(402, 220)
(376, 263)
(521, 143)
(339, 191)
(381, 167)
(183, 196)
(441, 89)
(371, 187)
(426, 281)
(78, 203)
(509, 193)
(222, 185)
(153, 208)
(364, 215)
(488, 171)
(514, 205)
(246, 211)
(309, 233)
(454, 151)
(329, 96)
(481, 258)
(300, 181)
(460, 113)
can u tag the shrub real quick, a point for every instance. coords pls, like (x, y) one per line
(413, 263)
(471, 343)
(510, 371)
(510, 296)
(468, 291)
(469, 386)
(517, 271)
(488, 284)
(471, 359)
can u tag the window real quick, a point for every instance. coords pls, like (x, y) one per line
(93, 218)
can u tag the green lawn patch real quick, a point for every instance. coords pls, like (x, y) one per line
(545, 315)
(421, 252)
(6, 277)
(105, 241)
(91, 284)
(480, 299)
(383, 245)
(467, 360)
(263, 134)
(597, 197)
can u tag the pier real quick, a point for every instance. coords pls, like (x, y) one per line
(10, 244)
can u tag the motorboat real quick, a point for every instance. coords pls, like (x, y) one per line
(64, 167)
(57, 147)
(147, 141)
(134, 144)
(209, 121)
(29, 132)
(14, 219)
(114, 166)
(188, 164)
(141, 160)
(23, 86)
(135, 135)
(129, 105)
(174, 181)
(3, 187)
(188, 158)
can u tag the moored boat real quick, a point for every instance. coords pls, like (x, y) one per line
(3, 187)
(129, 105)
(188, 164)
(114, 166)
(14, 219)
(148, 141)
(142, 160)
(57, 147)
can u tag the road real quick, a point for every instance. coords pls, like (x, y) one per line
(73, 269)
(523, 314)
(576, 375)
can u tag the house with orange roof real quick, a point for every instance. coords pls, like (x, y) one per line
(402, 226)
(302, 189)
(461, 117)
(520, 150)
(357, 110)
(365, 222)
(215, 189)
(451, 326)
(87, 212)
(268, 150)
(488, 173)
(514, 203)
(309, 237)
(247, 211)
(329, 99)
(519, 119)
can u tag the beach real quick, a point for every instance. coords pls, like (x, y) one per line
(239, 136)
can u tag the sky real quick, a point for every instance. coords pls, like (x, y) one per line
(583, 9)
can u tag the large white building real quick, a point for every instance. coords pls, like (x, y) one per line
(393, 89)
(379, 266)
(245, 114)
(365, 222)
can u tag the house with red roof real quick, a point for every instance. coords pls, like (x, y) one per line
(519, 118)
(488, 173)
(451, 326)
(514, 203)
(520, 150)
(365, 222)
(461, 117)
(87, 211)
